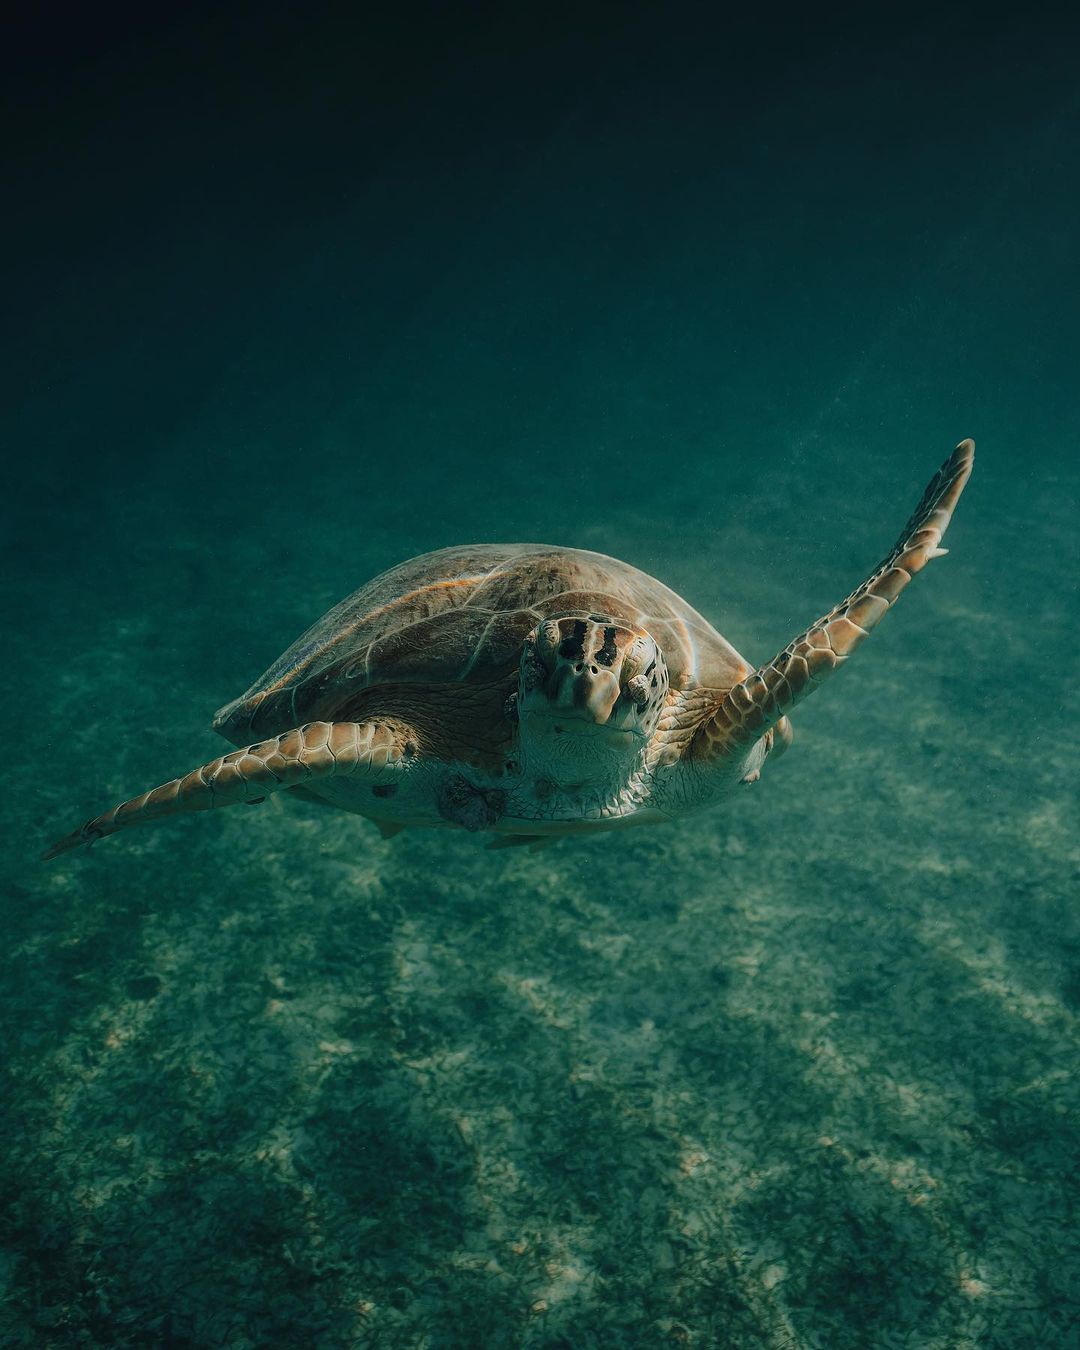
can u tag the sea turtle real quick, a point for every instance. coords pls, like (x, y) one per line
(528, 690)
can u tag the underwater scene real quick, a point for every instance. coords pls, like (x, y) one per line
(297, 295)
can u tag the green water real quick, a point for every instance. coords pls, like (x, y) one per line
(295, 302)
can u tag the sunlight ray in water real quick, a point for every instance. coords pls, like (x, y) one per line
(701, 303)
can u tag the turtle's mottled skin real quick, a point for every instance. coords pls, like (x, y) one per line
(527, 690)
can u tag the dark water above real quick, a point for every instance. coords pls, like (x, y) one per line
(293, 302)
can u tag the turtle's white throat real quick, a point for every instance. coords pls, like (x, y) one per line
(570, 722)
(569, 749)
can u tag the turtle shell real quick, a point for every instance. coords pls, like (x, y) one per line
(459, 616)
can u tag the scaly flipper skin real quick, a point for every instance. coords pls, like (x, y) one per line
(318, 750)
(751, 708)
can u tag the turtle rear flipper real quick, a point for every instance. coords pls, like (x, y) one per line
(317, 750)
(753, 707)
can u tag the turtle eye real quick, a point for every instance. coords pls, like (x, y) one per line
(637, 691)
(548, 637)
(640, 656)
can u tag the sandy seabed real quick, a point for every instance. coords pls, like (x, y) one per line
(793, 1073)
(797, 1074)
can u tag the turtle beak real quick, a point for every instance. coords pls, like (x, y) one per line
(585, 690)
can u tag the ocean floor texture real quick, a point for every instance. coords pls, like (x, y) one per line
(796, 1073)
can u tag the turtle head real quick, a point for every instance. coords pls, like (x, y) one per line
(590, 693)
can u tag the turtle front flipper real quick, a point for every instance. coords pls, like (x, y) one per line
(754, 706)
(318, 750)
